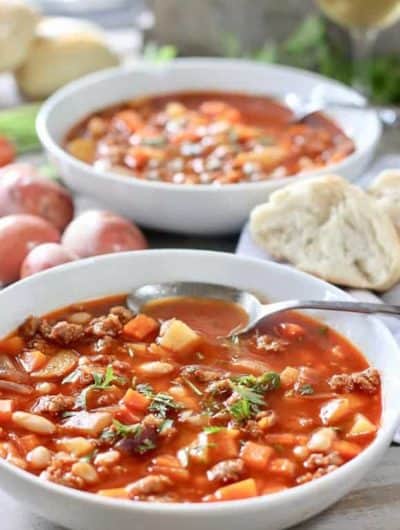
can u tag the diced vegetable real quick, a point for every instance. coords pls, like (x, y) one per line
(256, 456)
(239, 490)
(6, 409)
(346, 449)
(114, 493)
(88, 423)
(169, 466)
(12, 346)
(58, 366)
(178, 337)
(282, 466)
(289, 376)
(140, 327)
(82, 148)
(334, 411)
(362, 425)
(77, 446)
(135, 400)
(33, 360)
(322, 440)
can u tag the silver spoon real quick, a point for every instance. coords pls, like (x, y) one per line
(303, 108)
(256, 311)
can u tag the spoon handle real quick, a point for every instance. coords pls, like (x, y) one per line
(352, 307)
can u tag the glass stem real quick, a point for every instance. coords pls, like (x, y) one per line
(362, 41)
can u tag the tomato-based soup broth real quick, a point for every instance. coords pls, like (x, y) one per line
(205, 138)
(167, 406)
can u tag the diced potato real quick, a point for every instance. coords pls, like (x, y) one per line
(82, 148)
(289, 376)
(178, 337)
(89, 423)
(334, 411)
(78, 446)
(282, 466)
(361, 425)
(321, 441)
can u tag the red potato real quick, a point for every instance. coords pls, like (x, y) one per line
(19, 234)
(101, 232)
(24, 190)
(7, 151)
(44, 257)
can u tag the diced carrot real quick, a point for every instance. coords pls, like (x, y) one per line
(114, 493)
(273, 488)
(285, 439)
(28, 442)
(12, 346)
(138, 348)
(140, 327)
(128, 120)
(126, 416)
(282, 466)
(135, 400)
(347, 450)
(256, 456)
(239, 490)
(290, 330)
(170, 466)
(33, 360)
(6, 409)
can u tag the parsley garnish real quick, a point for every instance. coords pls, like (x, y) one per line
(121, 429)
(162, 404)
(145, 389)
(134, 431)
(306, 390)
(213, 429)
(166, 424)
(101, 382)
(240, 410)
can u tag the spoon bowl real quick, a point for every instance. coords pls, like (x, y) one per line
(255, 310)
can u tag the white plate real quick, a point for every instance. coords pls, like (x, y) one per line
(200, 209)
(118, 273)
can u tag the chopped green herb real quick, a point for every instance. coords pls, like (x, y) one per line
(145, 389)
(122, 429)
(306, 390)
(163, 404)
(240, 410)
(192, 386)
(166, 425)
(213, 429)
(101, 382)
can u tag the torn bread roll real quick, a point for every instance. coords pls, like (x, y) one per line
(386, 190)
(63, 50)
(17, 30)
(331, 229)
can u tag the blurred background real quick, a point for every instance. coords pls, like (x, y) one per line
(355, 41)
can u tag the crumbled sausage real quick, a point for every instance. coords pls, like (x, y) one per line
(30, 327)
(62, 332)
(201, 374)
(150, 485)
(222, 388)
(316, 460)
(227, 471)
(109, 325)
(251, 428)
(104, 345)
(53, 404)
(366, 381)
(59, 471)
(123, 313)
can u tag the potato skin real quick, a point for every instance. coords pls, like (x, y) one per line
(101, 232)
(18, 235)
(24, 191)
(45, 256)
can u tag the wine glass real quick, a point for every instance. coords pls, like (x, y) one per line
(364, 19)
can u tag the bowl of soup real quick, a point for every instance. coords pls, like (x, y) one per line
(111, 417)
(191, 146)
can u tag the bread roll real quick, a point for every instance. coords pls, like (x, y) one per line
(331, 229)
(63, 50)
(17, 30)
(386, 189)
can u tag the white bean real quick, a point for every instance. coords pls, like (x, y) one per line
(156, 368)
(33, 423)
(45, 388)
(39, 457)
(85, 471)
(107, 459)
